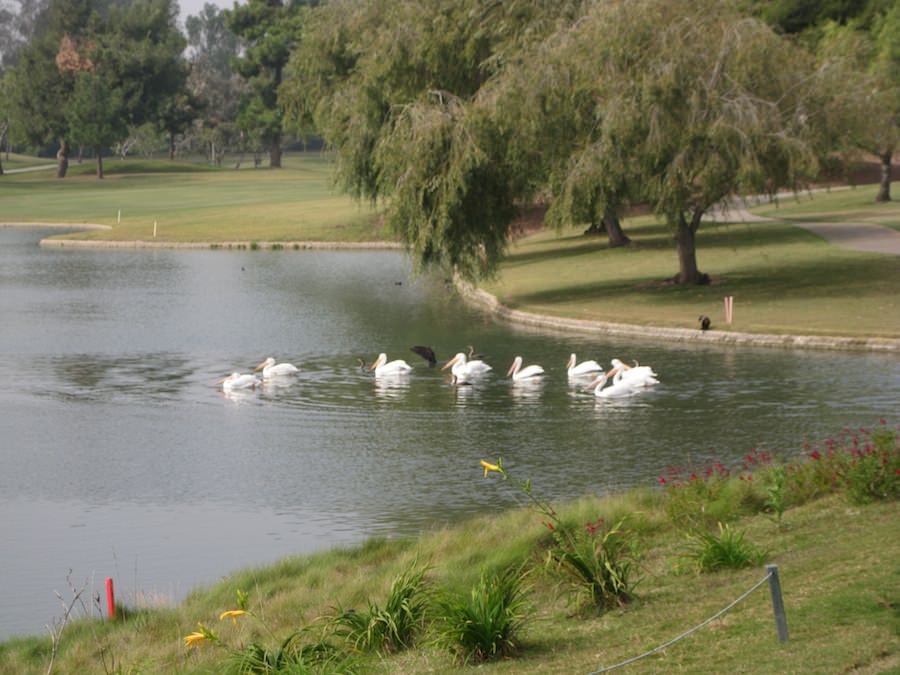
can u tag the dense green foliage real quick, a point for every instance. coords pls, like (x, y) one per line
(454, 115)
(269, 29)
(133, 51)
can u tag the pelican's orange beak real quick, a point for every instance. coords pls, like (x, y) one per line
(450, 363)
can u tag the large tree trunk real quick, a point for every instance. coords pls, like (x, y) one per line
(62, 159)
(99, 162)
(275, 156)
(171, 146)
(614, 229)
(685, 232)
(884, 190)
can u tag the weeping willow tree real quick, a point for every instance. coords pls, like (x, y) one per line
(694, 104)
(451, 114)
(394, 88)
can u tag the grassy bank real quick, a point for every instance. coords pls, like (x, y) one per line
(837, 558)
(852, 205)
(193, 202)
(784, 280)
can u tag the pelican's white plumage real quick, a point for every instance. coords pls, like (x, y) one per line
(239, 381)
(636, 376)
(615, 390)
(464, 370)
(271, 369)
(382, 366)
(518, 373)
(583, 368)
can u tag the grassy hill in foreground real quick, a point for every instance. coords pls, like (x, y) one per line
(837, 558)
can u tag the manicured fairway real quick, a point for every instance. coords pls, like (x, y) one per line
(191, 202)
(784, 280)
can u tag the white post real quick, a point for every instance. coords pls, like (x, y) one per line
(119, 217)
(154, 229)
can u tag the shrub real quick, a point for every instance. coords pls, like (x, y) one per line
(862, 465)
(291, 657)
(487, 623)
(396, 625)
(700, 499)
(728, 549)
(775, 483)
(597, 562)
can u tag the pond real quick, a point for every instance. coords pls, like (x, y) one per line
(119, 455)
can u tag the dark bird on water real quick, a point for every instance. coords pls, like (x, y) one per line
(704, 322)
(473, 355)
(426, 353)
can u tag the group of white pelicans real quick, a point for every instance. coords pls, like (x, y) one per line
(623, 380)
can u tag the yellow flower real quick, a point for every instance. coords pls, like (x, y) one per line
(488, 467)
(232, 614)
(194, 638)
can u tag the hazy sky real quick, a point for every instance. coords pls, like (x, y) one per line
(189, 7)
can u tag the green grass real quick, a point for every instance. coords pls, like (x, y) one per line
(838, 567)
(192, 202)
(784, 280)
(16, 161)
(853, 205)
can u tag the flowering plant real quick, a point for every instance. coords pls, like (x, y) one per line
(596, 560)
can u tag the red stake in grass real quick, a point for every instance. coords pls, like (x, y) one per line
(110, 599)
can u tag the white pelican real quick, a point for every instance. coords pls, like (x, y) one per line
(524, 373)
(637, 376)
(270, 369)
(615, 390)
(381, 366)
(583, 368)
(464, 370)
(239, 381)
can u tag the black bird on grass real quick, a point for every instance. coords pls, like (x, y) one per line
(704, 322)
(426, 353)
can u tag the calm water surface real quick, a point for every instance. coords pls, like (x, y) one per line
(120, 457)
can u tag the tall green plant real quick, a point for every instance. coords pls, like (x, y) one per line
(486, 623)
(596, 562)
(393, 627)
(728, 549)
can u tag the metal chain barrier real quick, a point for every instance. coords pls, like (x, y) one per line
(771, 576)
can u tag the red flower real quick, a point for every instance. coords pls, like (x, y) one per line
(662, 481)
(815, 455)
(550, 526)
(882, 421)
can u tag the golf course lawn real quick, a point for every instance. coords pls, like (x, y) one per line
(192, 202)
(784, 280)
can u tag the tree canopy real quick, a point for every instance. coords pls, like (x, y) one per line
(455, 114)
